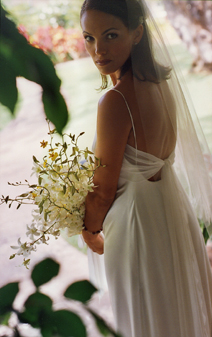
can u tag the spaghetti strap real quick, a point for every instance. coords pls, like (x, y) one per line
(133, 126)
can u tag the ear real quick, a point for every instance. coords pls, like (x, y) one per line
(138, 33)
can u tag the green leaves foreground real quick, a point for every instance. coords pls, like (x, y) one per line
(19, 58)
(38, 311)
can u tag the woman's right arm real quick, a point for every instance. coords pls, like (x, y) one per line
(113, 128)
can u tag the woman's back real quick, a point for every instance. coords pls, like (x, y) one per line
(153, 116)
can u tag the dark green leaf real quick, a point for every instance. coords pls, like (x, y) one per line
(80, 291)
(35, 159)
(84, 167)
(32, 186)
(68, 324)
(55, 109)
(6, 199)
(7, 296)
(43, 172)
(8, 90)
(102, 326)
(33, 64)
(38, 309)
(65, 146)
(64, 189)
(24, 195)
(44, 271)
(19, 205)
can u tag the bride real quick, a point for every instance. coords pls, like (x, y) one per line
(157, 269)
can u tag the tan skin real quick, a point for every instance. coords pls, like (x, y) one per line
(109, 43)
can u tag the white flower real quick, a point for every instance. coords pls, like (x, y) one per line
(36, 169)
(64, 182)
(32, 231)
(24, 248)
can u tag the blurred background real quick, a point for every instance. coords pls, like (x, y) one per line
(53, 26)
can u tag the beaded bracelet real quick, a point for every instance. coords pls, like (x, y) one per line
(94, 233)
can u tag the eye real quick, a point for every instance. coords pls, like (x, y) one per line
(88, 38)
(112, 36)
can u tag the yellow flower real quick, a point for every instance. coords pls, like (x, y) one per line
(43, 144)
(53, 155)
(45, 164)
(34, 195)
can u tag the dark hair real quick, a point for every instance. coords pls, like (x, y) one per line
(132, 13)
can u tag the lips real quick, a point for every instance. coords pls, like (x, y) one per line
(102, 63)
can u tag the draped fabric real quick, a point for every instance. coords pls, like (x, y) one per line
(157, 268)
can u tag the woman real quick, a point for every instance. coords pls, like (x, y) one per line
(157, 268)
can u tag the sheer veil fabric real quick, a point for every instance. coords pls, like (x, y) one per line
(191, 149)
(160, 282)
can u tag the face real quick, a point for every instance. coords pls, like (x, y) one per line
(107, 40)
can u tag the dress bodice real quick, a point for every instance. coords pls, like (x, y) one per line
(139, 164)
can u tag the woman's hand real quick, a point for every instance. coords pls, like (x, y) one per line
(94, 242)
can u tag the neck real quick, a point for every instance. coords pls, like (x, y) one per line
(115, 77)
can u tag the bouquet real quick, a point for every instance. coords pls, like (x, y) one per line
(64, 180)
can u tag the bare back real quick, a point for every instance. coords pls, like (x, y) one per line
(153, 115)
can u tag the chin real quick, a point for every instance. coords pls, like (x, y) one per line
(108, 73)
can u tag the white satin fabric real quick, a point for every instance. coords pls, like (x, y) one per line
(158, 273)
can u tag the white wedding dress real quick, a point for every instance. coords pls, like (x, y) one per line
(157, 269)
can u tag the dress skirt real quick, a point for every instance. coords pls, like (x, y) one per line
(157, 268)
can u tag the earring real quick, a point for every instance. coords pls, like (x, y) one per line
(135, 43)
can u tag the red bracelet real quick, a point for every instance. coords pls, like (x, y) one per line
(94, 233)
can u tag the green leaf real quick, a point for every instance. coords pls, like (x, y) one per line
(80, 291)
(84, 167)
(73, 189)
(38, 309)
(33, 64)
(7, 296)
(8, 90)
(91, 160)
(64, 189)
(43, 172)
(46, 215)
(5, 318)
(102, 325)
(55, 109)
(65, 146)
(35, 159)
(68, 324)
(44, 271)
(40, 180)
(24, 195)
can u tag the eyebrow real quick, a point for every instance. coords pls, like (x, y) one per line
(106, 31)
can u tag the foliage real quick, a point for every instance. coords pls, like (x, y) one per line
(58, 43)
(34, 65)
(38, 311)
(64, 180)
(54, 13)
(204, 231)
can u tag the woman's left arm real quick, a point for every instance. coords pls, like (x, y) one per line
(113, 128)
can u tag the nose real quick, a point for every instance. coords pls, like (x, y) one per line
(100, 48)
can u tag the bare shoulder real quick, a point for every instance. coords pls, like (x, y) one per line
(113, 104)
